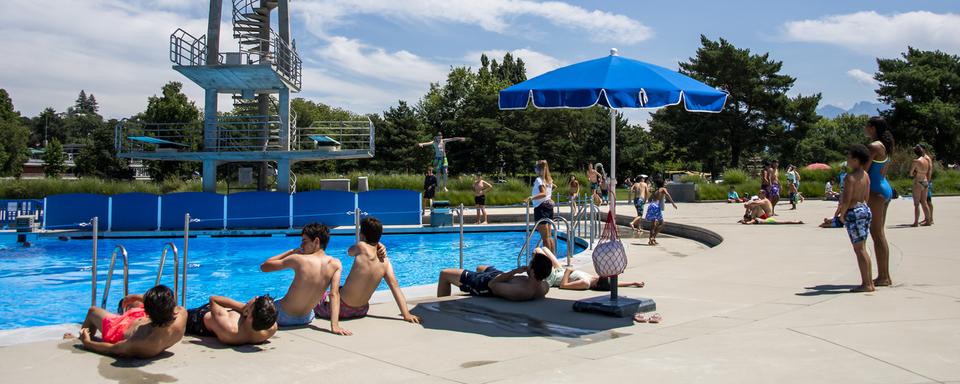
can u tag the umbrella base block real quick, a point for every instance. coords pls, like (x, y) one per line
(622, 307)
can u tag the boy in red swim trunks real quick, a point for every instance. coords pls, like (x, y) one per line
(370, 266)
(150, 324)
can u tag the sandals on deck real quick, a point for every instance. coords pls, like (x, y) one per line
(655, 319)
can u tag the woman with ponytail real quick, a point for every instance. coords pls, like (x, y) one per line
(880, 193)
(542, 203)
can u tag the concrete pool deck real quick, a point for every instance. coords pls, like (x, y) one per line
(766, 305)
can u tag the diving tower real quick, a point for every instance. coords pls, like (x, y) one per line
(259, 76)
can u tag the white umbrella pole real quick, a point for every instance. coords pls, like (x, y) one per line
(613, 187)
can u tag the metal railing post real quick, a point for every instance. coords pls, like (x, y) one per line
(176, 267)
(461, 236)
(528, 230)
(356, 224)
(186, 248)
(126, 275)
(593, 209)
(93, 278)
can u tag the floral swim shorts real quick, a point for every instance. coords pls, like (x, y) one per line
(858, 221)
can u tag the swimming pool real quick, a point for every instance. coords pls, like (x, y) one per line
(49, 283)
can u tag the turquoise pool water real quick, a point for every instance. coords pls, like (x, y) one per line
(49, 283)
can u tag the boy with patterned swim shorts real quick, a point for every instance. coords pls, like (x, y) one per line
(854, 213)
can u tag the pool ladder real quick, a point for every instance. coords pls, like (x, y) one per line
(122, 251)
(556, 231)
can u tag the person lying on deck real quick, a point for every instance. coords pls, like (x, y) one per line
(370, 267)
(577, 280)
(750, 220)
(489, 281)
(233, 322)
(150, 324)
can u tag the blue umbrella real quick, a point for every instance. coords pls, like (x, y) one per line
(613, 82)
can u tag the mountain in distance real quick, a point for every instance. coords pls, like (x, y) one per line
(861, 108)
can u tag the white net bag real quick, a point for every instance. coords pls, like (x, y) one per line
(609, 257)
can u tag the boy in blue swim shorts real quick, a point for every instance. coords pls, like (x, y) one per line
(854, 213)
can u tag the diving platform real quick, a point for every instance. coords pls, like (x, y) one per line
(225, 78)
(260, 73)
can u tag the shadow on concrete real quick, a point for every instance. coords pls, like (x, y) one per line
(213, 343)
(826, 289)
(548, 317)
(127, 371)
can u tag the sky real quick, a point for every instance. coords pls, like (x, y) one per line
(365, 55)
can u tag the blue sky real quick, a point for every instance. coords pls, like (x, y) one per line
(365, 55)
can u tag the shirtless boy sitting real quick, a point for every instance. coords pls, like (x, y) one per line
(150, 324)
(489, 281)
(370, 266)
(233, 322)
(761, 207)
(314, 271)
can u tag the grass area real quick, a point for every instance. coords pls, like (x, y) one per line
(461, 192)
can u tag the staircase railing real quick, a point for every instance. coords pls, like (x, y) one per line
(186, 49)
(248, 19)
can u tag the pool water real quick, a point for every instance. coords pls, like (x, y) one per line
(49, 283)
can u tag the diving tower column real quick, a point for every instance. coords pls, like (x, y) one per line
(210, 97)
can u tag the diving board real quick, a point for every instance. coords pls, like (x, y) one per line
(153, 140)
(324, 141)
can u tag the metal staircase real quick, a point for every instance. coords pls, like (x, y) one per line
(260, 44)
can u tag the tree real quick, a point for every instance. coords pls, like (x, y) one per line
(924, 89)
(829, 139)
(53, 159)
(758, 112)
(397, 138)
(180, 118)
(98, 156)
(13, 138)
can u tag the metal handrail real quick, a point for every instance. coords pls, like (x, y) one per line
(186, 49)
(176, 267)
(553, 224)
(461, 236)
(126, 274)
(93, 279)
(186, 249)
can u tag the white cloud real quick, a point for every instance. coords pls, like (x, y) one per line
(356, 96)
(537, 63)
(115, 51)
(374, 62)
(862, 77)
(872, 33)
(491, 15)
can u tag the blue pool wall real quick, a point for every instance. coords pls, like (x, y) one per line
(245, 210)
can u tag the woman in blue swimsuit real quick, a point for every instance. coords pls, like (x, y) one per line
(880, 193)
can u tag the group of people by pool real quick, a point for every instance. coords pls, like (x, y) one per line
(864, 197)
(148, 324)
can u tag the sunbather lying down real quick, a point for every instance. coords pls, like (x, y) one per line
(750, 220)
(577, 280)
(831, 223)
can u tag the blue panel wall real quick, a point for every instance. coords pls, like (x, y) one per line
(328, 207)
(262, 210)
(65, 211)
(208, 207)
(134, 212)
(392, 206)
